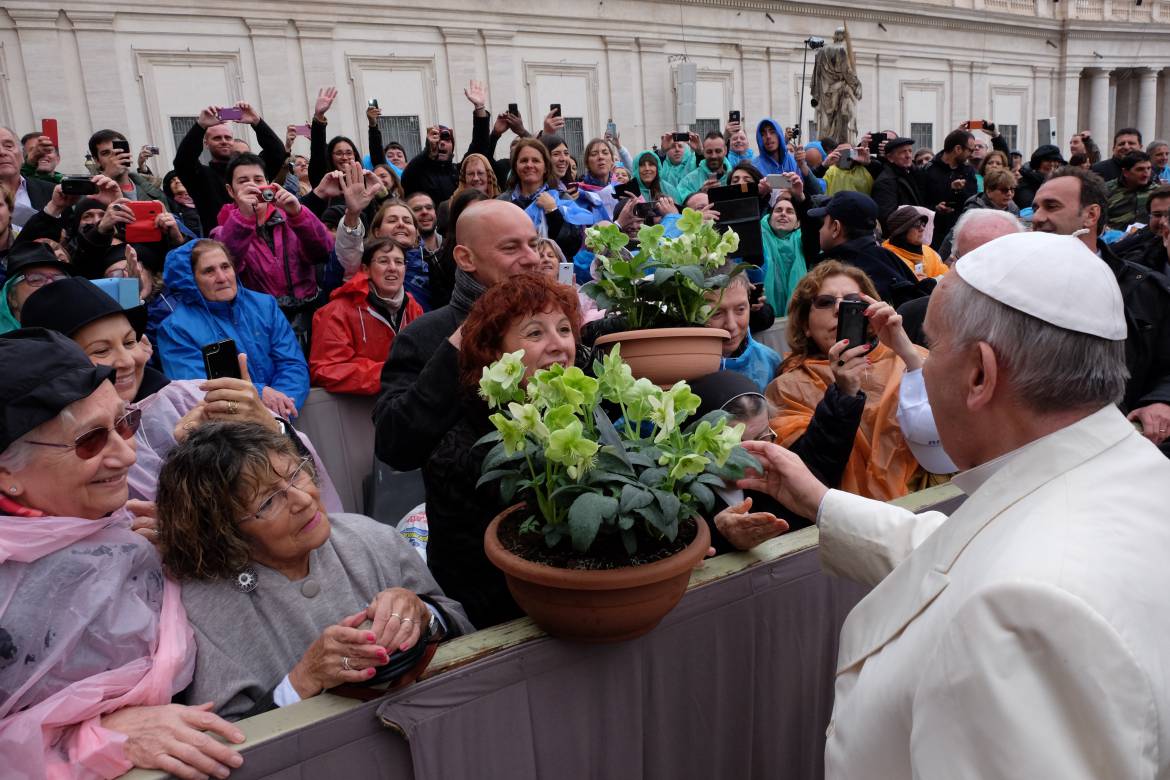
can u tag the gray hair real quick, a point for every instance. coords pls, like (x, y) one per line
(16, 457)
(745, 406)
(1155, 145)
(1051, 368)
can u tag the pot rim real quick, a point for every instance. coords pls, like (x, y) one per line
(607, 579)
(663, 333)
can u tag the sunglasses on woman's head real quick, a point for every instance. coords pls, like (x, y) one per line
(91, 443)
(829, 301)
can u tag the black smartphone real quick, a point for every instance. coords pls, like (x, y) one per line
(372, 103)
(644, 210)
(732, 116)
(121, 146)
(683, 137)
(555, 108)
(876, 138)
(628, 190)
(221, 359)
(513, 109)
(78, 185)
(851, 322)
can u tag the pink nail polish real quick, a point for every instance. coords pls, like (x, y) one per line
(370, 672)
(370, 637)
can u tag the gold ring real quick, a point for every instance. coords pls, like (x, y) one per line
(233, 407)
(407, 620)
(395, 614)
(345, 663)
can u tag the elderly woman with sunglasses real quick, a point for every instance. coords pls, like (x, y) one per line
(863, 380)
(94, 641)
(286, 599)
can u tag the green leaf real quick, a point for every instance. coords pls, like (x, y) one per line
(625, 522)
(692, 272)
(653, 477)
(609, 460)
(508, 487)
(585, 516)
(710, 480)
(633, 497)
(661, 275)
(499, 457)
(670, 506)
(553, 534)
(494, 474)
(702, 495)
(629, 541)
(489, 438)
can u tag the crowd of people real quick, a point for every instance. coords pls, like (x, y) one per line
(362, 272)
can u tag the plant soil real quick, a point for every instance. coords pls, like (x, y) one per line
(607, 551)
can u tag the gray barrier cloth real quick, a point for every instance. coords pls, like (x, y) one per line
(737, 682)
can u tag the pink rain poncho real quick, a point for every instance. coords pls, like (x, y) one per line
(161, 412)
(88, 625)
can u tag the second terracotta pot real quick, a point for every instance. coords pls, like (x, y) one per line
(666, 355)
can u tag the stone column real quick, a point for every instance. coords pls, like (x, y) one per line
(277, 103)
(1068, 98)
(1164, 122)
(624, 98)
(316, 44)
(779, 96)
(657, 93)
(1147, 102)
(503, 85)
(462, 47)
(40, 50)
(1100, 121)
(888, 97)
(757, 87)
(103, 89)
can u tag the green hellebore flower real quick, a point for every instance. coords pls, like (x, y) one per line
(688, 465)
(527, 416)
(559, 418)
(568, 446)
(690, 221)
(500, 382)
(511, 432)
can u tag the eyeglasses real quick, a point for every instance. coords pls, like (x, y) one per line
(91, 443)
(768, 436)
(1006, 189)
(303, 478)
(830, 301)
(38, 278)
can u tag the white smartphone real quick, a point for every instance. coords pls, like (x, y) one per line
(777, 181)
(565, 273)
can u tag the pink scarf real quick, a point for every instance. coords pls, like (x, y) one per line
(50, 723)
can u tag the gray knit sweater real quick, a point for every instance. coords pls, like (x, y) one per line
(248, 642)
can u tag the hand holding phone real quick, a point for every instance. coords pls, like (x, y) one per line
(851, 323)
(681, 137)
(78, 185)
(555, 109)
(221, 360)
(143, 229)
(732, 116)
(513, 109)
(49, 128)
(303, 131)
(230, 114)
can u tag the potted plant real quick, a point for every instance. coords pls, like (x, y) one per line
(662, 295)
(609, 529)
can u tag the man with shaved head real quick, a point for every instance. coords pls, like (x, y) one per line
(974, 229)
(420, 380)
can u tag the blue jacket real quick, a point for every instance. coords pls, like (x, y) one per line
(253, 320)
(764, 162)
(758, 362)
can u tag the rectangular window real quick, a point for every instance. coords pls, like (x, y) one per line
(703, 126)
(180, 126)
(812, 131)
(573, 134)
(1011, 135)
(923, 134)
(404, 130)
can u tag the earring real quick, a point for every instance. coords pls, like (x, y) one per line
(11, 490)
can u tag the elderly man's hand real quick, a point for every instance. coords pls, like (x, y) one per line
(745, 528)
(1155, 420)
(175, 739)
(279, 403)
(785, 479)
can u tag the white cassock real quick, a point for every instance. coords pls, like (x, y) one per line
(1025, 636)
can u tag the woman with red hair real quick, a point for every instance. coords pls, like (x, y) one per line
(528, 312)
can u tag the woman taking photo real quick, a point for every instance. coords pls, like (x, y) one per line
(820, 368)
(270, 580)
(527, 312)
(533, 186)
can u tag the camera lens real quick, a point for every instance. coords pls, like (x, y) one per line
(267, 195)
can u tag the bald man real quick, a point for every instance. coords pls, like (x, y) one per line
(420, 380)
(974, 229)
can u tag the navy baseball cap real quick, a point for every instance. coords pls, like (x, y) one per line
(851, 208)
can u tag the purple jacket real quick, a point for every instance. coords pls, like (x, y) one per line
(303, 240)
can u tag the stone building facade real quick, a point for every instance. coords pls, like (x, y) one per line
(1041, 69)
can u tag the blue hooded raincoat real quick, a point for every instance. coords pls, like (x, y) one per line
(253, 320)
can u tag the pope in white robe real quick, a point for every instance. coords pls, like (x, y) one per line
(1028, 634)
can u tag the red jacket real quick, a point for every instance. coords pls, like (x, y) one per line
(351, 340)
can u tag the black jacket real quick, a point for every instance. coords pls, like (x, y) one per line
(436, 178)
(1027, 184)
(934, 185)
(40, 192)
(1146, 295)
(895, 187)
(895, 282)
(1108, 169)
(458, 513)
(1143, 247)
(420, 389)
(825, 447)
(207, 184)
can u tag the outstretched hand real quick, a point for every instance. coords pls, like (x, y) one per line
(785, 479)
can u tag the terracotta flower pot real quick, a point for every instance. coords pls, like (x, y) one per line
(596, 605)
(666, 355)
